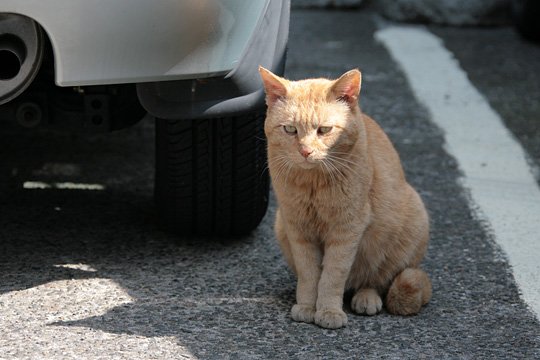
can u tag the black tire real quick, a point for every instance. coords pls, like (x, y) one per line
(211, 175)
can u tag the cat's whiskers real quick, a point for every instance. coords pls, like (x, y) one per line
(263, 170)
(337, 170)
(288, 171)
(333, 153)
(281, 163)
(329, 172)
(283, 170)
(344, 163)
(266, 167)
(284, 167)
(336, 176)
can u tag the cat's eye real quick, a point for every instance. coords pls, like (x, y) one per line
(289, 129)
(324, 129)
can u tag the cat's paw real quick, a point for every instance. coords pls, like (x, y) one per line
(366, 301)
(331, 318)
(303, 313)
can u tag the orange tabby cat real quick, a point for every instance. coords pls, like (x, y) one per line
(347, 218)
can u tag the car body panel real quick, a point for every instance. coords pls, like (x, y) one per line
(98, 42)
(240, 91)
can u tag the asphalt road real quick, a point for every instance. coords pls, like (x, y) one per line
(88, 275)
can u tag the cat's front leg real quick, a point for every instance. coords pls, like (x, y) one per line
(338, 259)
(307, 259)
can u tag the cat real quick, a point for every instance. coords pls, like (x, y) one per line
(346, 218)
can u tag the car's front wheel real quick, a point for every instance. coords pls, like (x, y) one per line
(211, 176)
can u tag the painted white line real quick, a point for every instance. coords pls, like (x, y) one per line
(36, 185)
(62, 186)
(495, 169)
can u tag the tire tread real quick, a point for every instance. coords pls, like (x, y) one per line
(210, 175)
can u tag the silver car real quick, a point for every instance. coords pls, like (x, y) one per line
(102, 65)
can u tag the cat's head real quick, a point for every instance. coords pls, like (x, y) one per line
(311, 122)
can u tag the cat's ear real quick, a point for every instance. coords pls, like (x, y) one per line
(347, 87)
(274, 86)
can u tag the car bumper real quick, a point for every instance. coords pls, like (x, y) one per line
(240, 90)
(98, 42)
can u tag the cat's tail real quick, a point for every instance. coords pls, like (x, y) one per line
(410, 290)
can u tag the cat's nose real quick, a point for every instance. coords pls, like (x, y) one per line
(305, 151)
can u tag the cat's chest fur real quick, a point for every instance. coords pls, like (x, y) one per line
(315, 209)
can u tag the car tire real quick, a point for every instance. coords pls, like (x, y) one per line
(211, 175)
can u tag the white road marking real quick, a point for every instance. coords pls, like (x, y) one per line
(502, 187)
(62, 186)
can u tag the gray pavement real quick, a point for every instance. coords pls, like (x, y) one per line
(507, 71)
(88, 275)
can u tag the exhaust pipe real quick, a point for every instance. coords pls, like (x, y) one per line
(21, 52)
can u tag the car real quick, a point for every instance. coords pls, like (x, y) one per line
(96, 65)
